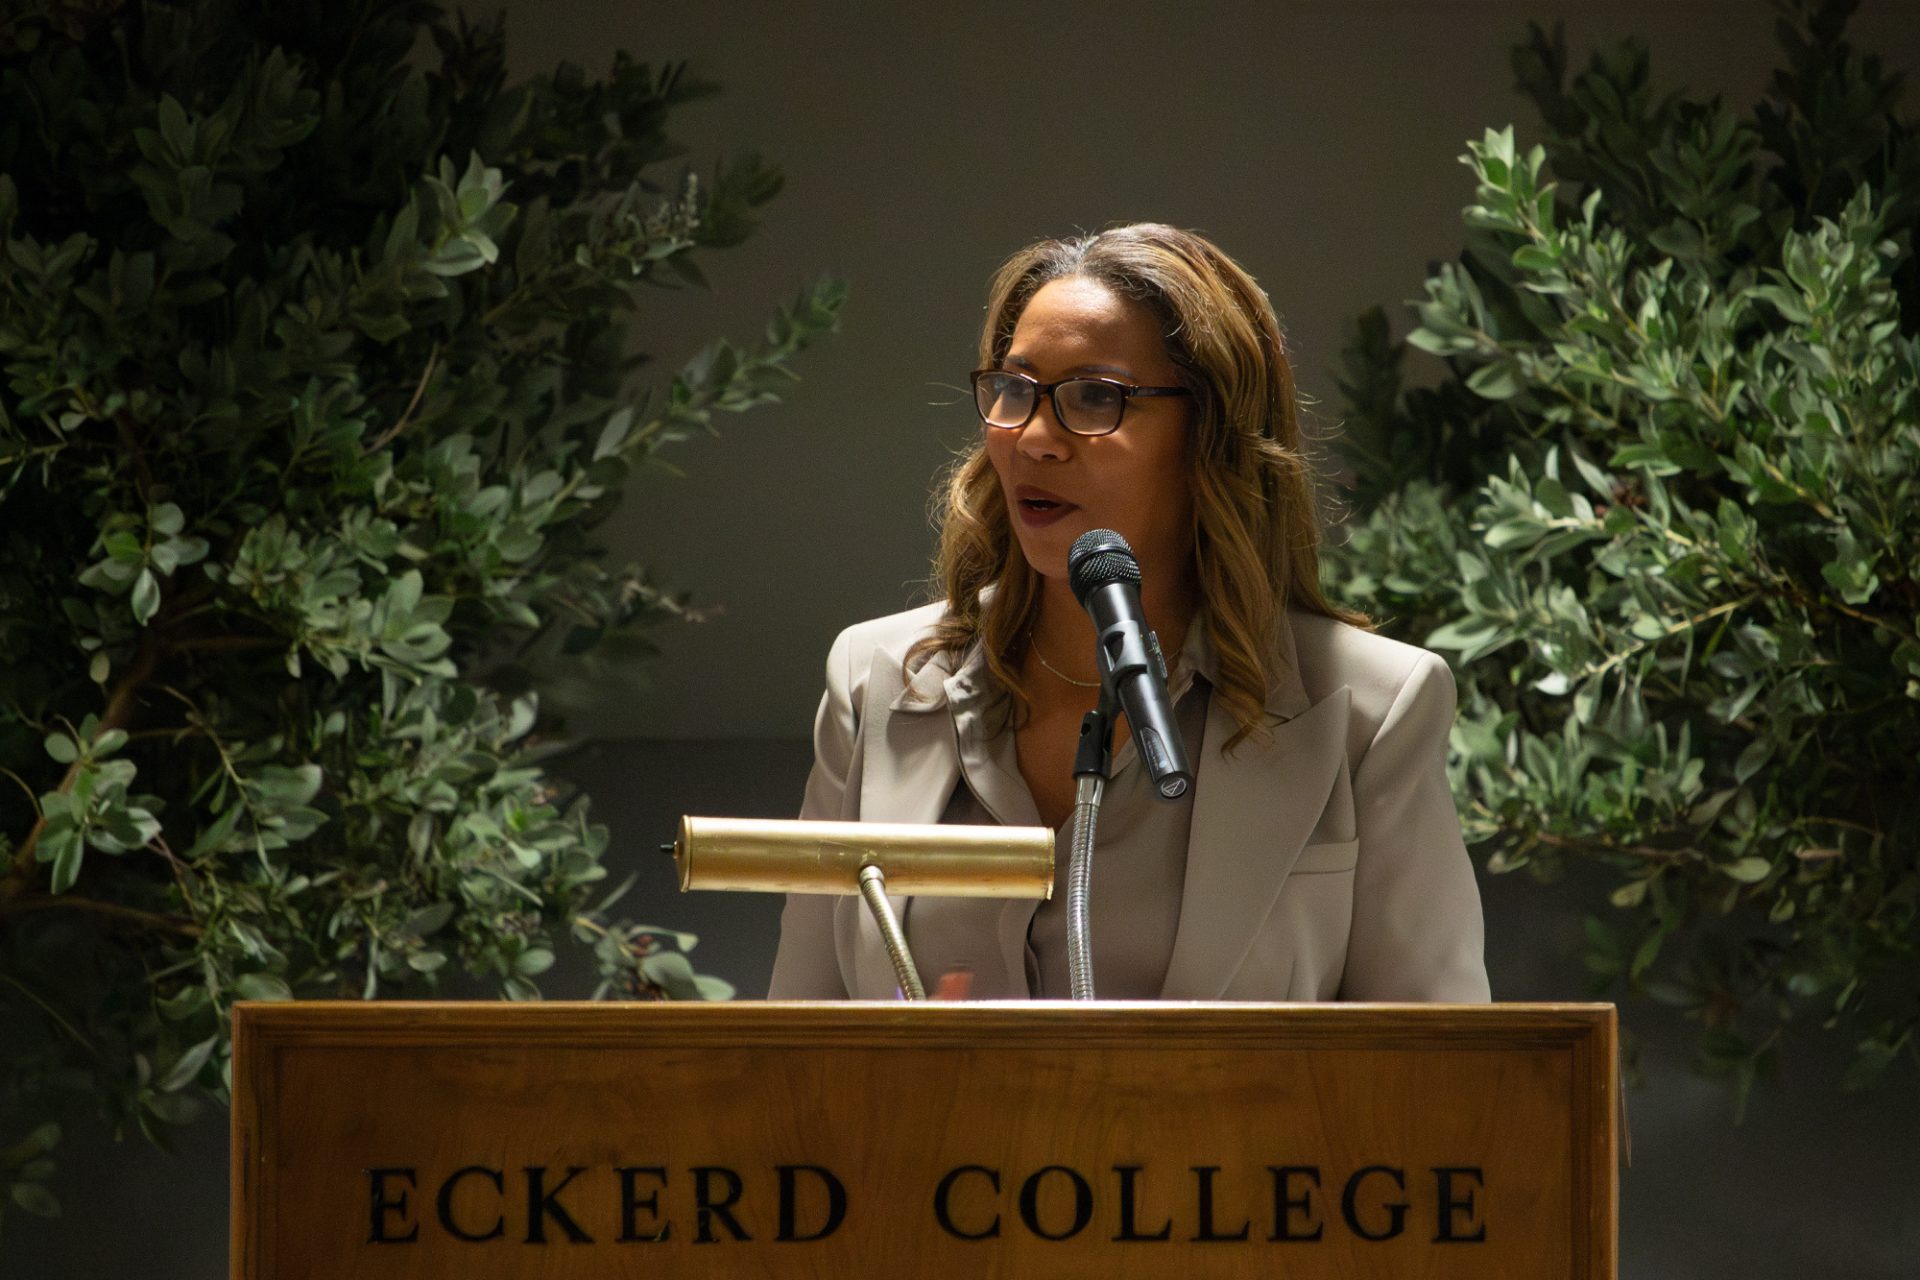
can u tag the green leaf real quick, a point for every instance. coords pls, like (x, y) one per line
(218, 835)
(672, 972)
(517, 543)
(613, 434)
(42, 1140)
(62, 748)
(1649, 456)
(67, 853)
(261, 986)
(145, 598)
(166, 519)
(428, 920)
(1514, 533)
(712, 988)
(1598, 481)
(1647, 626)
(187, 1065)
(34, 1198)
(288, 786)
(1496, 381)
(1752, 759)
(403, 594)
(1645, 954)
(1854, 579)
(177, 1108)
(1748, 870)
(1466, 633)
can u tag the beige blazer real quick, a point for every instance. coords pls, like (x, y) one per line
(1323, 862)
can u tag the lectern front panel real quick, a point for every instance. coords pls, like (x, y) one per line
(1042, 1140)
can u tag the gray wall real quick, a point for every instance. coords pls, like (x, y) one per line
(1317, 142)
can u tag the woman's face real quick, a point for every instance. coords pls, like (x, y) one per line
(1134, 481)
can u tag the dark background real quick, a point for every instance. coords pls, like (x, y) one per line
(1315, 141)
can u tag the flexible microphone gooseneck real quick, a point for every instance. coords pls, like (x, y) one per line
(1105, 579)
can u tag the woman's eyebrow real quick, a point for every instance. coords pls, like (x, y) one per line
(1118, 371)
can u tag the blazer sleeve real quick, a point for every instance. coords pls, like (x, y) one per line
(1417, 932)
(806, 966)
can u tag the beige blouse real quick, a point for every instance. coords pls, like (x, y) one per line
(1139, 856)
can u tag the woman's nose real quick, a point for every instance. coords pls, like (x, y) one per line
(1043, 438)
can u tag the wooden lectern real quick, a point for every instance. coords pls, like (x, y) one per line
(1031, 1140)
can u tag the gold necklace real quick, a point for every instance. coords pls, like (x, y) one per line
(1078, 684)
(1169, 659)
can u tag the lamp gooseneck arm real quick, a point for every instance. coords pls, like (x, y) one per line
(873, 887)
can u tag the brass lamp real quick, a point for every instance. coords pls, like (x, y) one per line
(869, 858)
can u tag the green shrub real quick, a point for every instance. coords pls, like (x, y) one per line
(1664, 514)
(317, 379)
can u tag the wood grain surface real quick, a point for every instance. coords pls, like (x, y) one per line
(1108, 1140)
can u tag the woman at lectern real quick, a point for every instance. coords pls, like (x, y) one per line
(1136, 380)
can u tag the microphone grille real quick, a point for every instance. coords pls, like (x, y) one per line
(1099, 558)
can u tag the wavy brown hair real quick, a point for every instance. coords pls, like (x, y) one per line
(1256, 530)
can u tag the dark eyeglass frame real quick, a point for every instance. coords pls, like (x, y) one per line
(1051, 390)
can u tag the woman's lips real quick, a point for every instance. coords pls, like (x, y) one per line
(1038, 508)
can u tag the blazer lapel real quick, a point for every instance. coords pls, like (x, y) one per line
(1252, 813)
(909, 765)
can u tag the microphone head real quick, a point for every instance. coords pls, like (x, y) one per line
(1100, 558)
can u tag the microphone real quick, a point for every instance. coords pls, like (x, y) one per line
(1106, 581)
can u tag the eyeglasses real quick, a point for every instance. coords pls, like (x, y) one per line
(1084, 406)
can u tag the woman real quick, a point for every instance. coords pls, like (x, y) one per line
(1136, 380)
